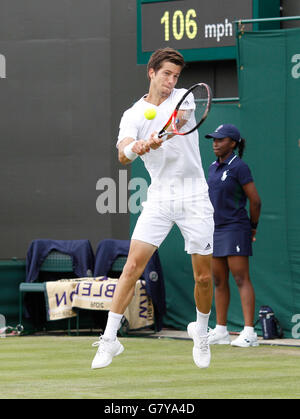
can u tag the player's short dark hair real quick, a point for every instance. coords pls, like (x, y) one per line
(164, 54)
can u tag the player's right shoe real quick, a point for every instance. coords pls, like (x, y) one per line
(218, 338)
(107, 349)
(201, 350)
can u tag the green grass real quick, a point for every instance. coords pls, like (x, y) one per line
(59, 367)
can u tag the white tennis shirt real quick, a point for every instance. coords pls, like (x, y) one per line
(175, 168)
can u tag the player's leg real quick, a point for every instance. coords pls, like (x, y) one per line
(150, 230)
(203, 293)
(138, 257)
(220, 270)
(108, 344)
(198, 236)
(197, 226)
(203, 289)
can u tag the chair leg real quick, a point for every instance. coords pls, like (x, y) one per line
(77, 323)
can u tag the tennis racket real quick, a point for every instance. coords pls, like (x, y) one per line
(190, 112)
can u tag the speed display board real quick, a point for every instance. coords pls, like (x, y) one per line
(200, 29)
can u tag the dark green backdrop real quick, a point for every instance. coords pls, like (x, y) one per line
(268, 117)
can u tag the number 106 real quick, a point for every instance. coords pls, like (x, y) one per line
(180, 24)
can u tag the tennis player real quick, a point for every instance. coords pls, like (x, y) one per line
(230, 186)
(178, 194)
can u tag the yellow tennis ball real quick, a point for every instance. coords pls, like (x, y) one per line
(150, 113)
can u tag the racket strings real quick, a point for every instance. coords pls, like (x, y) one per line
(201, 101)
(192, 110)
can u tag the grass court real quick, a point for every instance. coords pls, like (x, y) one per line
(58, 367)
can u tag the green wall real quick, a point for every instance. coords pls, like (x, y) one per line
(268, 116)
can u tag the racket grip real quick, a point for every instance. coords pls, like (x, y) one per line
(162, 137)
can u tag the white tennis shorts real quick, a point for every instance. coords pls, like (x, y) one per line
(193, 218)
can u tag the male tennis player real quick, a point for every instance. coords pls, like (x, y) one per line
(178, 194)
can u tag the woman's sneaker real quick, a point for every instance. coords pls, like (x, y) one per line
(218, 338)
(245, 340)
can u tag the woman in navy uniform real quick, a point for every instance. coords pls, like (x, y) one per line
(230, 185)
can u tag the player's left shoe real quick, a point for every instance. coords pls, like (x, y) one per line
(107, 350)
(201, 349)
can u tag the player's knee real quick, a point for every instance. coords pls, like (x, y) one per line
(130, 268)
(203, 280)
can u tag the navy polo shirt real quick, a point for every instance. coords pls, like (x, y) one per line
(225, 182)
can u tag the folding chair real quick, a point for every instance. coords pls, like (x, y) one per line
(55, 265)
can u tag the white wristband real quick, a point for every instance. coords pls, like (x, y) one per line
(131, 155)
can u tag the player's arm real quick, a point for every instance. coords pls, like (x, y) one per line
(129, 149)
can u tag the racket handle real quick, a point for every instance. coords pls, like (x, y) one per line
(162, 137)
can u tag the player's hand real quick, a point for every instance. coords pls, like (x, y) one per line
(141, 147)
(253, 235)
(155, 142)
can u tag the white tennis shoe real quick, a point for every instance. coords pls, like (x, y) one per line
(201, 349)
(245, 340)
(107, 349)
(218, 338)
